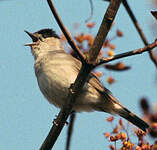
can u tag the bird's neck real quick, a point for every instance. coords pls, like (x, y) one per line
(46, 46)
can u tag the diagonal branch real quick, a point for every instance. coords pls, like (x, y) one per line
(138, 28)
(65, 31)
(130, 53)
(70, 130)
(64, 113)
(104, 29)
(86, 68)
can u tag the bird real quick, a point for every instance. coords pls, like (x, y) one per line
(56, 70)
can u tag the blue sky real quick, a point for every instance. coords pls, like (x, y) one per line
(26, 117)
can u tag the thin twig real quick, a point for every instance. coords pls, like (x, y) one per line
(65, 32)
(130, 53)
(91, 11)
(138, 28)
(104, 29)
(70, 130)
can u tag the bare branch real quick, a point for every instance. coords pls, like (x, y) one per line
(81, 78)
(70, 130)
(104, 29)
(86, 68)
(64, 113)
(91, 12)
(135, 22)
(65, 31)
(130, 53)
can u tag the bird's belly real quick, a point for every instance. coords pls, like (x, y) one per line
(54, 85)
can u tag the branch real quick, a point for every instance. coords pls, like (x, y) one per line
(86, 68)
(70, 130)
(138, 28)
(64, 113)
(130, 53)
(104, 29)
(91, 12)
(65, 32)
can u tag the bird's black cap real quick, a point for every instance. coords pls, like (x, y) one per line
(47, 33)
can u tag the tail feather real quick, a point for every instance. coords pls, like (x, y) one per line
(125, 113)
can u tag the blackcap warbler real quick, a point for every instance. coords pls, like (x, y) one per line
(56, 70)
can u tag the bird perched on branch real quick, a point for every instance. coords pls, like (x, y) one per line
(56, 71)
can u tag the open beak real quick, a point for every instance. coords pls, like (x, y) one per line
(33, 37)
(30, 44)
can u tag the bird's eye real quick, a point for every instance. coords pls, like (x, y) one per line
(40, 38)
(44, 36)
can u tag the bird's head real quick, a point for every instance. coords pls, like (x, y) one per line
(44, 40)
